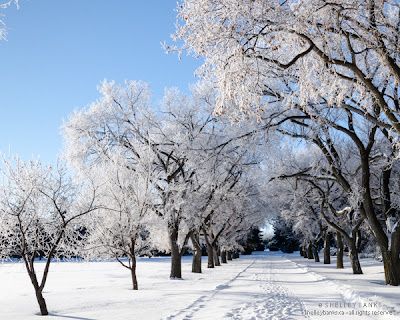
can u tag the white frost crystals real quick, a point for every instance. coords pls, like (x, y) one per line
(295, 52)
(172, 169)
(322, 73)
(92, 131)
(3, 27)
(40, 215)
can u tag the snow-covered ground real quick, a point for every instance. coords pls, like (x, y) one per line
(264, 285)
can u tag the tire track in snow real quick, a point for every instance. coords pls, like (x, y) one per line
(275, 303)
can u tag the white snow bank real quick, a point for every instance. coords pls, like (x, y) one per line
(367, 292)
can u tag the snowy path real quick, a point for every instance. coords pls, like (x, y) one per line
(275, 301)
(267, 285)
(257, 282)
(276, 288)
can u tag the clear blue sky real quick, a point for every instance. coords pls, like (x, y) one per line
(57, 53)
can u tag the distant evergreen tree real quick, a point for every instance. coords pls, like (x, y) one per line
(284, 240)
(253, 242)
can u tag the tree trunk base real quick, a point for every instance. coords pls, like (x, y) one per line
(196, 264)
(316, 255)
(327, 248)
(176, 261)
(229, 255)
(310, 255)
(355, 262)
(223, 257)
(339, 253)
(42, 304)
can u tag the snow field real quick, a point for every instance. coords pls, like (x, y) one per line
(265, 285)
(367, 292)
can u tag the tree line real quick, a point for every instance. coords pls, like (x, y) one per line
(306, 92)
(134, 179)
(323, 76)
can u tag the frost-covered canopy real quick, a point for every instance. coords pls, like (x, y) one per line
(297, 52)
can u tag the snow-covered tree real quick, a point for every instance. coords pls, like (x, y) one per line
(120, 228)
(223, 156)
(332, 48)
(354, 151)
(198, 164)
(123, 119)
(271, 57)
(314, 196)
(41, 208)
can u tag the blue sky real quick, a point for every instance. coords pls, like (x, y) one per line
(57, 53)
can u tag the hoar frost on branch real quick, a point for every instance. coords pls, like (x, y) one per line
(3, 26)
(184, 140)
(313, 70)
(120, 228)
(41, 215)
(258, 51)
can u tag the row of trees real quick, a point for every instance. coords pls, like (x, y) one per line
(135, 180)
(177, 163)
(324, 74)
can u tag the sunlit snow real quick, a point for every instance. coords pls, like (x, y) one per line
(263, 285)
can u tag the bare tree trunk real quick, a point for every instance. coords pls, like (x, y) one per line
(327, 248)
(42, 303)
(305, 252)
(216, 258)
(339, 253)
(390, 246)
(38, 292)
(29, 265)
(176, 261)
(390, 269)
(133, 274)
(355, 262)
(391, 260)
(223, 256)
(309, 252)
(301, 252)
(133, 266)
(390, 254)
(210, 255)
(236, 255)
(316, 255)
(395, 254)
(196, 264)
(210, 251)
(229, 253)
(358, 241)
